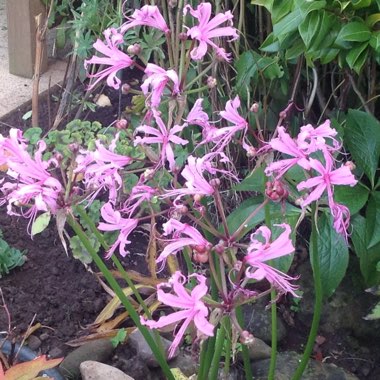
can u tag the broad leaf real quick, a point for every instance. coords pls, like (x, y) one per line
(310, 27)
(356, 31)
(357, 56)
(369, 258)
(353, 197)
(373, 220)
(332, 253)
(375, 313)
(41, 223)
(362, 136)
(255, 181)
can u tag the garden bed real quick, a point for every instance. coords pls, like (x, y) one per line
(58, 292)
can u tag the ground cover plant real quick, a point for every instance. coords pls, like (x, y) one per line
(221, 190)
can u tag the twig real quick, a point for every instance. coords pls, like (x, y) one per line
(360, 96)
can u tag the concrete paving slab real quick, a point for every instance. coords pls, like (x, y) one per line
(17, 90)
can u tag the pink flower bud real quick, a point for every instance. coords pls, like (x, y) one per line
(200, 257)
(276, 191)
(255, 107)
(211, 82)
(215, 182)
(182, 36)
(121, 124)
(246, 338)
(197, 198)
(125, 88)
(134, 49)
(350, 165)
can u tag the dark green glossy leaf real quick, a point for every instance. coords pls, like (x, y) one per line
(357, 56)
(375, 41)
(332, 253)
(362, 136)
(270, 45)
(356, 31)
(373, 220)
(353, 197)
(255, 181)
(310, 27)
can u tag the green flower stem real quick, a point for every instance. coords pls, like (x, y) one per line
(123, 298)
(318, 299)
(273, 354)
(245, 352)
(228, 347)
(205, 358)
(200, 75)
(196, 90)
(84, 216)
(220, 336)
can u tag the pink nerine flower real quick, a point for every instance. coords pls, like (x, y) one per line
(285, 144)
(157, 79)
(148, 15)
(114, 58)
(164, 136)
(263, 250)
(207, 29)
(312, 139)
(197, 116)
(193, 308)
(326, 180)
(341, 217)
(114, 222)
(183, 236)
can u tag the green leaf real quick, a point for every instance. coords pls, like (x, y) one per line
(327, 55)
(295, 50)
(356, 31)
(353, 197)
(288, 24)
(372, 19)
(240, 214)
(255, 181)
(357, 4)
(310, 28)
(270, 45)
(375, 41)
(27, 115)
(264, 3)
(368, 257)
(373, 220)
(326, 25)
(332, 253)
(280, 8)
(61, 37)
(33, 135)
(40, 223)
(357, 56)
(375, 313)
(362, 136)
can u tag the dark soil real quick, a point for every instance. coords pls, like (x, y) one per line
(59, 293)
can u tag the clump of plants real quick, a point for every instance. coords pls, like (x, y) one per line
(10, 257)
(221, 196)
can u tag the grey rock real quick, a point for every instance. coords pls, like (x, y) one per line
(44, 336)
(92, 370)
(287, 363)
(258, 350)
(98, 350)
(345, 309)
(137, 341)
(257, 320)
(56, 352)
(186, 363)
(34, 343)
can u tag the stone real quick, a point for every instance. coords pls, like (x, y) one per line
(34, 343)
(258, 350)
(92, 370)
(137, 341)
(56, 353)
(257, 320)
(186, 363)
(98, 350)
(287, 363)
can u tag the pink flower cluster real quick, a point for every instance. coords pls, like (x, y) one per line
(313, 151)
(30, 185)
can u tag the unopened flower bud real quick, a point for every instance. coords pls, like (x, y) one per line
(202, 210)
(298, 201)
(182, 36)
(350, 165)
(251, 151)
(200, 257)
(276, 191)
(74, 147)
(246, 338)
(211, 82)
(58, 156)
(148, 173)
(125, 88)
(282, 115)
(172, 3)
(183, 209)
(215, 182)
(121, 124)
(255, 107)
(219, 248)
(134, 49)
(197, 198)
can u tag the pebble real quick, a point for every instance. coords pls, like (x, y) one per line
(44, 336)
(34, 343)
(98, 350)
(56, 353)
(92, 370)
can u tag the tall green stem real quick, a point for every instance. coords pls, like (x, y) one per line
(318, 299)
(273, 354)
(123, 298)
